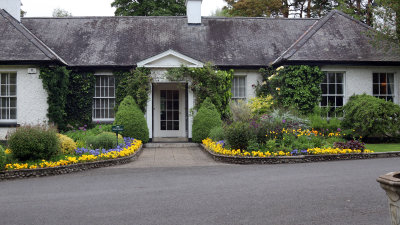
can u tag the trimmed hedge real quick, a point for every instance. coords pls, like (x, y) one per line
(132, 118)
(206, 119)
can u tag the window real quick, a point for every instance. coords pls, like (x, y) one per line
(8, 97)
(383, 85)
(239, 87)
(104, 98)
(332, 91)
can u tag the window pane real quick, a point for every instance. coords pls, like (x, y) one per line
(339, 78)
(111, 92)
(4, 77)
(390, 89)
(163, 125)
(111, 81)
(325, 80)
(331, 77)
(176, 125)
(331, 89)
(4, 103)
(169, 125)
(13, 90)
(324, 88)
(375, 78)
(383, 89)
(13, 114)
(324, 101)
(339, 89)
(376, 89)
(4, 90)
(339, 101)
(13, 102)
(13, 78)
(176, 115)
(331, 101)
(382, 78)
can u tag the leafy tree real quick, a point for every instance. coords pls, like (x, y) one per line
(149, 7)
(387, 13)
(61, 13)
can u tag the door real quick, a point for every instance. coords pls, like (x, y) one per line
(169, 110)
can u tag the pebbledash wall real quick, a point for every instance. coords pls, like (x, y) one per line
(359, 79)
(31, 98)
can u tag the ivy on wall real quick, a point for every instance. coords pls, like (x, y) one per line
(207, 81)
(297, 86)
(70, 96)
(56, 83)
(136, 83)
(80, 98)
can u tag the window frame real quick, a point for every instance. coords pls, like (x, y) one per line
(10, 121)
(394, 91)
(245, 88)
(343, 95)
(94, 98)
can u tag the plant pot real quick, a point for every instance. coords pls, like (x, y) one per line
(391, 184)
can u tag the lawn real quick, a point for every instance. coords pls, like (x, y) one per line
(383, 147)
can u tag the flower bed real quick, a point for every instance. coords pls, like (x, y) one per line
(84, 155)
(218, 148)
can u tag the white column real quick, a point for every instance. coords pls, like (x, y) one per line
(149, 112)
(190, 106)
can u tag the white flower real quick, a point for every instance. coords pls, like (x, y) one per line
(279, 68)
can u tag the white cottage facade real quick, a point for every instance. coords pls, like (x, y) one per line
(336, 43)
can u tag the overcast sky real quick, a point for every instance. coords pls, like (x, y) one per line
(37, 8)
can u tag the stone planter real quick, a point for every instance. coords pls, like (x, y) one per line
(391, 184)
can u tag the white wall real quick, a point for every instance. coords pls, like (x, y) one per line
(358, 79)
(31, 98)
(252, 77)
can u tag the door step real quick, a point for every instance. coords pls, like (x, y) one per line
(171, 145)
(170, 140)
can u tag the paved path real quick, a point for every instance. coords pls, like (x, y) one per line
(325, 193)
(172, 157)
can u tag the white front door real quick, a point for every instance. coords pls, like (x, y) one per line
(169, 110)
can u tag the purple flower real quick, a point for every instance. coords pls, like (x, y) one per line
(283, 121)
(339, 129)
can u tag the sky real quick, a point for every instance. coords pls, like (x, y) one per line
(44, 8)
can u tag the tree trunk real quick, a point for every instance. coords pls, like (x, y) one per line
(369, 16)
(309, 8)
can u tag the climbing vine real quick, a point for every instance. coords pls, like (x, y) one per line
(56, 83)
(207, 81)
(297, 86)
(136, 83)
(80, 98)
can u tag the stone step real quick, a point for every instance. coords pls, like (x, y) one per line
(171, 145)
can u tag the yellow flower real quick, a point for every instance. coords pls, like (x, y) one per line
(279, 68)
(278, 89)
(7, 151)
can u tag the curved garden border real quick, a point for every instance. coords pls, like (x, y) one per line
(296, 159)
(42, 172)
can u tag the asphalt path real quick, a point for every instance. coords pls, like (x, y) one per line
(340, 192)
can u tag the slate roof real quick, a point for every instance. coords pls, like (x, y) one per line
(124, 41)
(230, 42)
(338, 38)
(19, 45)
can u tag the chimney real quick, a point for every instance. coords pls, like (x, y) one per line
(193, 11)
(13, 7)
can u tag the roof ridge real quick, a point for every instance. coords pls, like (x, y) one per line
(304, 38)
(31, 37)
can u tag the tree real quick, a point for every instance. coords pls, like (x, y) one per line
(149, 7)
(221, 13)
(387, 13)
(61, 13)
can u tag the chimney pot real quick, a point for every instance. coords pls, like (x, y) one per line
(13, 7)
(193, 11)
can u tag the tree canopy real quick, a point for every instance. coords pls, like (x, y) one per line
(61, 13)
(149, 7)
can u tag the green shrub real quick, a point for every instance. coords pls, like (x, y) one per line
(3, 158)
(217, 134)
(241, 111)
(369, 116)
(238, 135)
(206, 118)
(132, 118)
(106, 140)
(83, 132)
(33, 143)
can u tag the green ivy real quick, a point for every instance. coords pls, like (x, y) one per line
(56, 83)
(136, 83)
(207, 81)
(297, 86)
(80, 98)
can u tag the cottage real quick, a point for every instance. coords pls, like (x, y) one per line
(337, 43)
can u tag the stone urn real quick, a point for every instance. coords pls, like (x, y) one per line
(391, 184)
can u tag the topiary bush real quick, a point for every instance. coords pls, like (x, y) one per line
(34, 143)
(369, 116)
(68, 145)
(217, 134)
(206, 118)
(132, 118)
(238, 135)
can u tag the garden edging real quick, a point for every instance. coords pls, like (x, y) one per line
(42, 172)
(296, 159)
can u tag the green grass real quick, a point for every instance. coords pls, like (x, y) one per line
(383, 147)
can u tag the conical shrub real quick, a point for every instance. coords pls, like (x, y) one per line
(132, 118)
(206, 119)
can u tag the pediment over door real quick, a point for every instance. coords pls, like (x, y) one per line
(169, 59)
